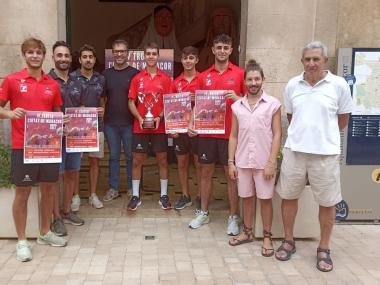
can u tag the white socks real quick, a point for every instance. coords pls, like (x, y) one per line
(164, 187)
(136, 188)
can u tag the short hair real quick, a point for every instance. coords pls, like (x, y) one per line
(61, 44)
(161, 7)
(253, 65)
(314, 45)
(119, 42)
(152, 45)
(222, 38)
(87, 47)
(30, 43)
(190, 50)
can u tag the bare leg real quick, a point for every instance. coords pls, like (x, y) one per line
(47, 202)
(326, 221)
(198, 172)
(137, 162)
(69, 182)
(207, 170)
(183, 173)
(56, 209)
(162, 164)
(232, 194)
(20, 210)
(289, 210)
(267, 217)
(94, 173)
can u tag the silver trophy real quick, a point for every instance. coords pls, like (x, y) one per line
(149, 102)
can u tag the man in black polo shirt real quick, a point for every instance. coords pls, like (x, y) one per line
(93, 82)
(118, 120)
(72, 94)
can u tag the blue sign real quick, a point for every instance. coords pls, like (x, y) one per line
(341, 211)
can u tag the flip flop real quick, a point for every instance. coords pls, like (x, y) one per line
(326, 259)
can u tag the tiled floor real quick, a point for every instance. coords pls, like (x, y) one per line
(111, 249)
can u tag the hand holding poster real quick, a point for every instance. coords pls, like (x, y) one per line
(43, 137)
(82, 130)
(177, 112)
(209, 111)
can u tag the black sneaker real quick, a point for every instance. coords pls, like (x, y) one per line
(197, 203)
(164, 202)
(134, 203)
(183, 201)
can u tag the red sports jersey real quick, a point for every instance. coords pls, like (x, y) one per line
(230, 79)
(146, 90)
(24, 91)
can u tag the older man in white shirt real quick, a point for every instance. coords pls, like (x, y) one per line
(318, 105)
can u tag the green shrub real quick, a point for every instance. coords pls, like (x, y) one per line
(5, 166)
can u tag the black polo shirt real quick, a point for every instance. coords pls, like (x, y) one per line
(72, 91)
(94, 90)
(116, 90)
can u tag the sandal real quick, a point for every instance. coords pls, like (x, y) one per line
(247, 232)
(326, 259)
(264, 251)
(289, 252)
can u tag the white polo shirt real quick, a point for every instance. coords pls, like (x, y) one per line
(314, 126)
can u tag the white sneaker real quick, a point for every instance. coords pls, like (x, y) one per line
(75, 203)
(94, 201)
(51, 239)
(200, 219)
(23, 252)
(233, 225)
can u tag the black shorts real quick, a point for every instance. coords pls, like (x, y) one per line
(184, 144)
(142, 143)
(30, 174)
(213, 150)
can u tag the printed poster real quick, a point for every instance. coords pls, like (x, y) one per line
(43, 137)
(177, 112)
(136, 60)
(210, 111)
(82, 130)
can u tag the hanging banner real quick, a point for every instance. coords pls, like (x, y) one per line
(82, 130)
(209, 111)
(177, 112)
(43, 137)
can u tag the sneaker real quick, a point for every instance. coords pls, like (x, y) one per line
(71, 218)
(94, 201)
(23, 252)
(75, 203)
(134, 203)
(111, 194)
(58, 227)
(51, 239)
(183, 202)
(233, 225)
(200, 218)
(197, 203)
(164, 202)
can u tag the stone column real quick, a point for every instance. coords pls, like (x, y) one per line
(42, 19)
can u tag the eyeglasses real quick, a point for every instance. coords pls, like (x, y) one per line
(122, 51)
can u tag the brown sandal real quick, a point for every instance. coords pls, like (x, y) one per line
(247, 232)
(264, 251)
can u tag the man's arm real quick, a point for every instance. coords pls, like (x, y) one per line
(17, 113)
(232, 145)
(343, 120)
(135, 113)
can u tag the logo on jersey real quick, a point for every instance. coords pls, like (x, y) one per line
(139, 147)
(203, 156)
(27, 178)
(230, 81)
(23, 88)
(48, 91)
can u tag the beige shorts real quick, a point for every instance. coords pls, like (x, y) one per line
(323, 172)
(100, 153)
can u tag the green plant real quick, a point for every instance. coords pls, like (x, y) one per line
(5, 166)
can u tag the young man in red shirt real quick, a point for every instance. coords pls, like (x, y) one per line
(146, 105)
(223, 75)
(32, 90)
(188, 81)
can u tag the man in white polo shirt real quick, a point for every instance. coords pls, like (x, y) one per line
(318, 105)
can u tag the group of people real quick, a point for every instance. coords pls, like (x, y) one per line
(317, 104)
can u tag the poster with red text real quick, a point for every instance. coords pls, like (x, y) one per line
(177, 112)
(136, 59)
(43, 137)
(82, 130)
(209, 112)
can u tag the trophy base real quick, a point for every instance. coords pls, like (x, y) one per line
(148, 125)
